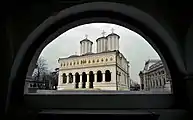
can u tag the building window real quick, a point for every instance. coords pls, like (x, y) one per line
(74, 63)
(102, 60)
(64, 78)
(77, 80)
(91, 79)
(89, 61)
(64, 64)
(107, 76)
(70, 63)
(84, 80)
(111, 59)
(77, 62)
(93, 61)
(70, 78)
(97, 60)
(106, 59)
(67, 64)
(99, 76)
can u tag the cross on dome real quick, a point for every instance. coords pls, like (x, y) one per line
(112, 30)
(86, 36)
(103, 33)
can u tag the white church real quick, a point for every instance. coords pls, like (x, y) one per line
(107, 69)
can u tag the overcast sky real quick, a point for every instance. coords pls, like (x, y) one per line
(134, 47)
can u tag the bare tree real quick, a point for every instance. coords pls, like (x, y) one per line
(41, 69)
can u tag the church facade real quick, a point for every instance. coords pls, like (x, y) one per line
(107, 69)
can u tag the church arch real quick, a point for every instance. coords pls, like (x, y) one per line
(70, 78)
(64, 78)
(91, 79)
(163, 41)
(99, 76)
(84, 80)
(107, 76)
(77, 79)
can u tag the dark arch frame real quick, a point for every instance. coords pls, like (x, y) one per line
(70, 78)
(119, 14)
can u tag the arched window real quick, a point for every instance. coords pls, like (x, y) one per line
(64, 78)
(99, 76)
(84, 80)
(77, 80)
(91, 79)
(107, 76)
(70, 78)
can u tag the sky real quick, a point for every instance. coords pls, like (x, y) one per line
(133, 46)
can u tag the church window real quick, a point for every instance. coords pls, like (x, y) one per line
(77, 62)
(70, 63)
(93, 61)
(111, 59)
(99, 76)
(106, 59)
(74, 63)
(102, 60)
(64, 80)
(107, 76)
(97, 60)
(64, 64)
(89, 61)
(70, 78)
(61, 65)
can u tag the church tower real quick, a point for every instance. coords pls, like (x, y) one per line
(85, 46)
(102, 43)
(113, 41)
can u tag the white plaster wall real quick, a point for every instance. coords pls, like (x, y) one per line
(87, 67)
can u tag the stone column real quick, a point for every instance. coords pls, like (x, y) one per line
(103, 78)
(67, 80)
(80, 83)
(87, 82)
(95, 77)
(80, 48)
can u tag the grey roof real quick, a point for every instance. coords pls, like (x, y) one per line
(86, 40)
(112, 34)
(73, 56)
(100, 38)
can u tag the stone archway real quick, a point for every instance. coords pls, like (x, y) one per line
(140, 22)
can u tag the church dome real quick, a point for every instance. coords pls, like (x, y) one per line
(113, 34)
(87, 40)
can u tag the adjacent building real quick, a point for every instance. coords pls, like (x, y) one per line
(107, 69)
(155, 77)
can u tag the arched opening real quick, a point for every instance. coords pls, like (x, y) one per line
(64, 78)
(77, 80)
(108, 76)
(84, 80)
(99, 76)
(70, 78)
(91, 79)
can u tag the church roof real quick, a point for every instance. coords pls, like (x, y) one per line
(100, 38)
(73, 56)
(113, 34)
(86, 40)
